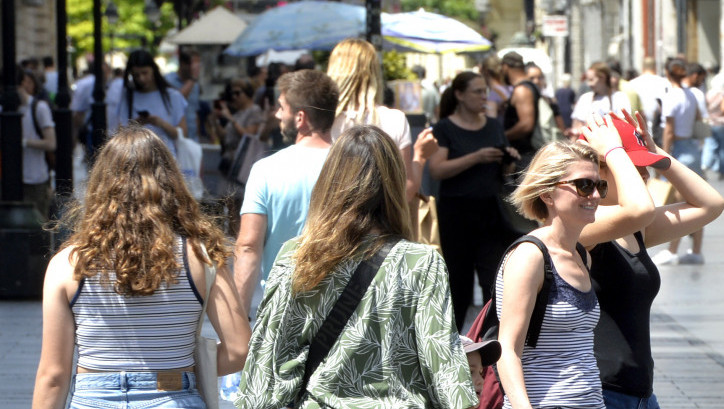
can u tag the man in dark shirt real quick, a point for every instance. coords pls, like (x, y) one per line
(521, 113)
(566, 97)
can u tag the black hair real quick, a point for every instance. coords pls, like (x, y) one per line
(448, 101)
(694, 68)
(530, 65)
(142, 58)
(47, 61)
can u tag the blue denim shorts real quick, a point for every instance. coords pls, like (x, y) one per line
(688, 152)
(616, 400)
(133, 390)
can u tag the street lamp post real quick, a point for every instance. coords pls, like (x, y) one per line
(112, 16)
(62, 117)
(24, 243)
(98, 108)
(10, 144)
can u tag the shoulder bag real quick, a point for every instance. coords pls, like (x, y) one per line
(205, 351)
(347, 303)
(424, 221)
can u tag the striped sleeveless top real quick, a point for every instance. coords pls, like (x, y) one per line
(115, 332)
(561, 370)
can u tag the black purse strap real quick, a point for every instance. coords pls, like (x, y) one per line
(347, 303)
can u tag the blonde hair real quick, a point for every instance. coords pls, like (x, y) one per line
(360, 188)
(136, 203)
(548, 166)
(354, 66)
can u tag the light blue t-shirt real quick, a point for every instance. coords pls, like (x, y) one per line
(193, 100)
(280, 187)
(155, 105)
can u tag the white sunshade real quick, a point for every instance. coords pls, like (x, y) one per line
(218, 26)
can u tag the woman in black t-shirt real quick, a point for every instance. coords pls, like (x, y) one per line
(470, 162)
(624, 277)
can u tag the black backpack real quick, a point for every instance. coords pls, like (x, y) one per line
(486, 325)
(49, 155)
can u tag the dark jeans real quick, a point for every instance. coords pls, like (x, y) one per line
(616, 400)
(473, 238)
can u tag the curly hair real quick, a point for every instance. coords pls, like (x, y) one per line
(361, 188)
(136, 204)
(548, 166)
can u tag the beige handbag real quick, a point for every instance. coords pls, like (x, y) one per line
(205, 351)
(423, 220)
(661, 191)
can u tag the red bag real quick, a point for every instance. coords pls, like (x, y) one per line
(492, 396)
(486, 324)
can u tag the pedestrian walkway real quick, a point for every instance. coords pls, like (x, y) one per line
(687, 334)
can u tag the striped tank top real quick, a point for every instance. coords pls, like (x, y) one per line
(157, 332)
(561, 370)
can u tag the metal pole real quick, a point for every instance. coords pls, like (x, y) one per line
(10, 122)
(62, 117)
(681, 26)
(374, 25)
(98, 108)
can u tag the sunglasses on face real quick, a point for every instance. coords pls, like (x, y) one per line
(584, 187)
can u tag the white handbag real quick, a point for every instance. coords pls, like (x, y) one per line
(205, 351)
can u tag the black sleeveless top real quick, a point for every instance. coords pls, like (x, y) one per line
(510, 118)
(626, 285)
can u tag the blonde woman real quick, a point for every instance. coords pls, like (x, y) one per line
(400, 347)
(354, 66)
(601, 99)
(129, 285)
(562, 189)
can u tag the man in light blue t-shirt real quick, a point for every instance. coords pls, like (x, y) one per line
(279, 187)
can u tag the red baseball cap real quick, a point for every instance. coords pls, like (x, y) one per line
(635, 146)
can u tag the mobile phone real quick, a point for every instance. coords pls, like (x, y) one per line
(143, 114)
(217, 104)
(507, 157)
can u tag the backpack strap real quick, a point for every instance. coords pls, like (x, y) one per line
(583, 253)
(541, 300)
(342, 310)
(34, 116)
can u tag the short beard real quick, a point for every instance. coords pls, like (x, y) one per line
(289, 132)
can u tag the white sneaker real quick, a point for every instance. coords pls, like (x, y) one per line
(665, 258)
(691, 258)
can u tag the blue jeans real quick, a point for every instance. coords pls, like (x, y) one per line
(712, 155)
(688, 152)
(129, 390)
(616, 400)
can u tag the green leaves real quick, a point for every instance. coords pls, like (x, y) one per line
(133, 29)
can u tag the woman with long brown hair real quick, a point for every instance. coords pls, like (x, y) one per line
(399, 347)
(129, 284)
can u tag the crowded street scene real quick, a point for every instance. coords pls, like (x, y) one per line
(362, 204)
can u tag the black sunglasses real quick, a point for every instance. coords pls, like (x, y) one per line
(584, 187)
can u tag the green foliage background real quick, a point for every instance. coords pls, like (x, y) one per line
(394, 67)
(132, 26)
(459, 9)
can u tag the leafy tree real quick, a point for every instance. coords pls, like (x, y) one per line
(133, 29)
(459, 9)
(394, 67)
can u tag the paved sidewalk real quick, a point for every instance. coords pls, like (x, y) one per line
(687, 334)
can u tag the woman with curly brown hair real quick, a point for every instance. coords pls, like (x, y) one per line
(129, 285)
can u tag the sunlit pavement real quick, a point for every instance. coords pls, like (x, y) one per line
(687, 334)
